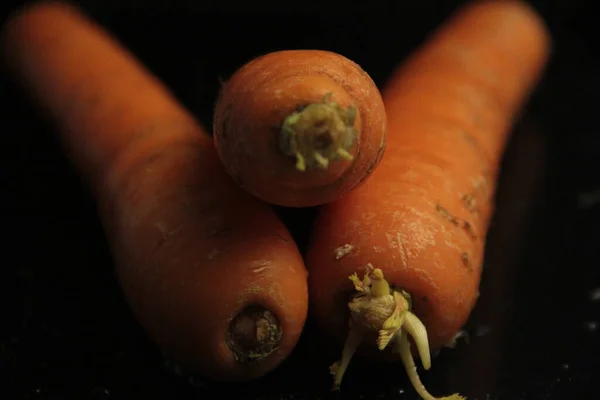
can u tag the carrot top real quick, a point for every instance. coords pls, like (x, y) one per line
(377, 308)
(319, 133)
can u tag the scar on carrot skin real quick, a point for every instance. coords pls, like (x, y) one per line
(470, 139)
(473, 142)
(253, 335)
(342, 251)
(479, 184)
(466, 260)
(466, 226)
(281, 237)
(380, 309)
(470, 203)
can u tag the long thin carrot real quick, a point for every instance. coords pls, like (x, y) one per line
(420, 221)
(300, 127)
(210, 272)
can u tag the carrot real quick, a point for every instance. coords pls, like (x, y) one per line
(209, 271)
(420, 222)
(300, 128)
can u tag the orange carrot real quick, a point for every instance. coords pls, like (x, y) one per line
(421, 220)
(210, 272)
(300, 128)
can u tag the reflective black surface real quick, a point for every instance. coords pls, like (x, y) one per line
(65, 331)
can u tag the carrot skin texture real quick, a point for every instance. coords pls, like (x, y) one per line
(253, 105)
(191, 249)
(423, 215)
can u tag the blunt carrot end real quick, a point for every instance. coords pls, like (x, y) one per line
(300, 128)
(253, 334)
(174, 221)
(379, 309)
(319, 134)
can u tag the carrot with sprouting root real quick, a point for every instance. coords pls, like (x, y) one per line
(209, 271)
(300, 128)
(421, 220)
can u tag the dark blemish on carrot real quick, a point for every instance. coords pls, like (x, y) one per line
(480, 183)
(469, 229)
(480, 188)
(254, 334)
(377, 159)
(281, 237)
(374, 163)
(466, 260)
(446, 214)
(470, 203)
(475, 144)
(470, 138)
(466, 226)
(371, 168)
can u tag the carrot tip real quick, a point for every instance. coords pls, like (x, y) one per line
(318, 134)
(253, 334)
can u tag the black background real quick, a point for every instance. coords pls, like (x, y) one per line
(66, 333)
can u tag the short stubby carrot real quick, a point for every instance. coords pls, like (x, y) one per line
(417, 228)
(300, 128)
(210, 272)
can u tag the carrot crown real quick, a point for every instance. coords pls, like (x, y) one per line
(319, 133)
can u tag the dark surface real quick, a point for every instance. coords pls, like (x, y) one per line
(65, 331)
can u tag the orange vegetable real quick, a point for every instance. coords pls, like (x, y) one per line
(209, 271)
(421, 220)
(300, 128)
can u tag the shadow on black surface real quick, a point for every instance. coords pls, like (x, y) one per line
(66, 331)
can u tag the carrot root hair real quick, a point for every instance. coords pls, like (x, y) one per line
(378, 308)
(319, 134)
